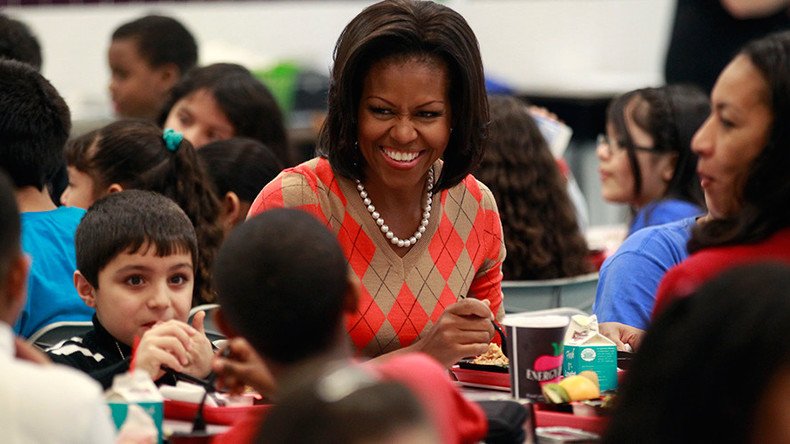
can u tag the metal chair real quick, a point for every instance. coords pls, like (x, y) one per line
(53, 333)
(576, 292)
(212, 331)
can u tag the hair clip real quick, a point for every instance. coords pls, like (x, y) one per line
(172, 139)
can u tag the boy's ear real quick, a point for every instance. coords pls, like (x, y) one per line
(224, 326)
(85, 289)
(352, 294)
(231, 210)
(16, 285)
(169, 75)
(114, 188)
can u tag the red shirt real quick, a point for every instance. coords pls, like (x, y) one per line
(456, 419)
(683, 279)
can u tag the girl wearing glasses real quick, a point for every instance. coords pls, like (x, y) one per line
(645, 155)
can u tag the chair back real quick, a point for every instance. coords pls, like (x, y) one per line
(575, 292)
(53, 333)
(212, 331)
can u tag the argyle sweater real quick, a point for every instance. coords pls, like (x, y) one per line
(459, 255)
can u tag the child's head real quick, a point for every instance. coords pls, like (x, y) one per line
(646, 154)
(133, 154)
(345, 408)
(283, 285)
(147, 56)
(136, 256)
(225, 100)
(17, 42)
(12, 277)
(34, 125)
(240, 168)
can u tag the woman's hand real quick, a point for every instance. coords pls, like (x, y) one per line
(200, 353)
(625, 337)
(463, 330)
(239, 366)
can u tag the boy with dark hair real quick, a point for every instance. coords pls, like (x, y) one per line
(284, 285)
(136, 256)
(34, 126)
(43, 397)
(147, 57)
(17, 42)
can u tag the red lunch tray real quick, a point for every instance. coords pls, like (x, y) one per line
(186, 411)
(551, 418)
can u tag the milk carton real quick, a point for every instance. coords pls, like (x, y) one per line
(135, 388)
(586, 349)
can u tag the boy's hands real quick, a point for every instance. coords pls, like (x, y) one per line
(200, 352)
(240, 366)
(176, 345)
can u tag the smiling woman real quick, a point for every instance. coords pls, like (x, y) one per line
(405, 127)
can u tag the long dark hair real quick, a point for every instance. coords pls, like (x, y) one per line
(541, 231)
(133, 154)
(399, 29)
(766, 193)
(671, 115)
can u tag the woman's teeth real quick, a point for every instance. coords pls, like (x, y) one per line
(401, 156)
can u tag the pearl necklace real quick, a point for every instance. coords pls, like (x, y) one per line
(426, 215)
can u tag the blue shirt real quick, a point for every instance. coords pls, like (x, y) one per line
(629, 278)
(662, 212)
(48, 238)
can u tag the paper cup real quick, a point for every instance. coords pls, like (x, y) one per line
(535, 351)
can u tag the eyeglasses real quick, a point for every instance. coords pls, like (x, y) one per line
(603, 139)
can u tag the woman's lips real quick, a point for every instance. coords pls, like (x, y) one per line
(704, 180)
(401, 164)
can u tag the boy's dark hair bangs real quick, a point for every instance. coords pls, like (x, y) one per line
(132, 221)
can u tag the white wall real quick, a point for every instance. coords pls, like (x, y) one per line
(584, 48)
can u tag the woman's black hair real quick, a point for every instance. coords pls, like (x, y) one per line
(766, 194)
(399, 30)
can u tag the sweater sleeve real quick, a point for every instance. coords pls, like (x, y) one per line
(487, 283)
(290, 189)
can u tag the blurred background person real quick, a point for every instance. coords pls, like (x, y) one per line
(542, 235)
(147, 57)
(240, 168)
(225, 100)
(645, 156)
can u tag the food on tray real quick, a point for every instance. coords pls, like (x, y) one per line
(579, 387)
(493, 356)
